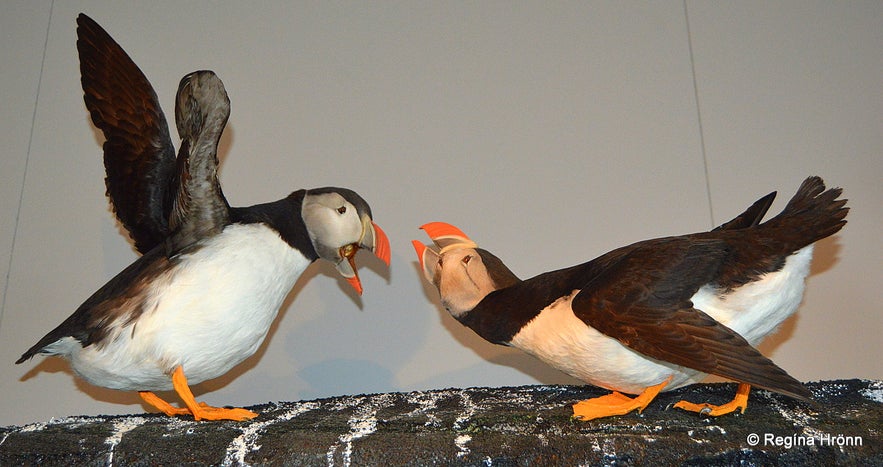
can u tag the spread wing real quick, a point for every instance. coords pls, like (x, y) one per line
(138, 154)
(643, 301)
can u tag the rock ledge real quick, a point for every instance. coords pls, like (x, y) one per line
(527, 425)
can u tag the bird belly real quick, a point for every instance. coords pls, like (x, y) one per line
(756, 309)
(207, 314)
(562, 340)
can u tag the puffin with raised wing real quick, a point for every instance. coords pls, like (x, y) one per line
(212, 277)
(654, 315)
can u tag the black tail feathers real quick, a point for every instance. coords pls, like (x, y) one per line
(813, 211)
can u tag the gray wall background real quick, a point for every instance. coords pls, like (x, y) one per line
(550, 132)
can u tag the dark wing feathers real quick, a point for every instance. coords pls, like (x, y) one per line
(812, 214)
(752, 216)
(642, 299)
(155, 196)
(143, 176)
(201, 111)
(649, 310)
(118, 301)
(138, 154)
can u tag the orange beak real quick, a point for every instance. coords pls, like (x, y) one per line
(445, 236)
(441, 230)
(381, 242)
(420, 249)
(356, 283)
(374, 240)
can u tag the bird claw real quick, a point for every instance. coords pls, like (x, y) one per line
(739, 402)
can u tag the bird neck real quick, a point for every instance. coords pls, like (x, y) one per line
(285, 217)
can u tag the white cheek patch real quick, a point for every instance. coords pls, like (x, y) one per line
(327, 224)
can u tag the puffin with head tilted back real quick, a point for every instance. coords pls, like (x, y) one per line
(654, 315)
(212, 277)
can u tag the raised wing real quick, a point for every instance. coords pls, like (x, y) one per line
(643, 301)
(201, 111)
(752, 216)
(138, 154)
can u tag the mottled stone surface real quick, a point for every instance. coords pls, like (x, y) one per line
(528, 425)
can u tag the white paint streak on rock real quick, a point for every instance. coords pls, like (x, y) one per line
(73, 422)
(705, 430)
(426, 402)
(461, 441)
(121, 426)
(469, 410)
(799, 418)
(248, 441)
(874, 391)
(32, 427)
(362, 423)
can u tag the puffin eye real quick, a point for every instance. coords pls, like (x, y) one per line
(341, 210)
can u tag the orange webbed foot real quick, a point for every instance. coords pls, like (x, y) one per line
(199, 410)
(616, 403)
(207, 412)
(740, 402)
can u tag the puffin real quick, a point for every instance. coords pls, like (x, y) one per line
(211, 278)
(654, 315)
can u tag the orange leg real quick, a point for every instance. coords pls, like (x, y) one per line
(738, 402)
(199, 410)
(162, 405)
(616, 403)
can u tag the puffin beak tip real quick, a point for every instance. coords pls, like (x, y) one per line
(420, 248)
(356, 284)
